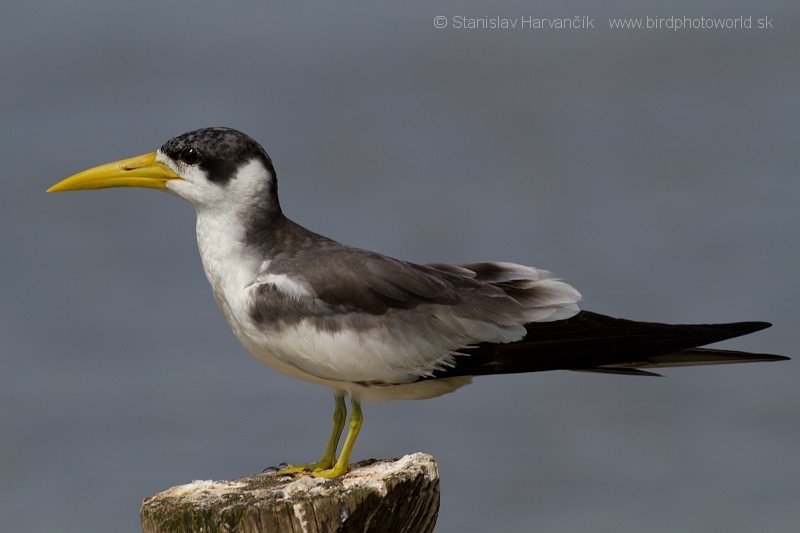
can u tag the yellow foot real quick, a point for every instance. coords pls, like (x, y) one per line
(329, 467)
(307, 468)
(330, 473)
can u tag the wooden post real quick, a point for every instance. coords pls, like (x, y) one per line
(389, 495)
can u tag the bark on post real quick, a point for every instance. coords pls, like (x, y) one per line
(389, 495)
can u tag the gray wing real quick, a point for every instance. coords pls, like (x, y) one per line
(474, 302)
(346, 314)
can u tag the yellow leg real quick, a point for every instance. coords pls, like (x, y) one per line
(356, 419)
(329, 455)
(339, 416)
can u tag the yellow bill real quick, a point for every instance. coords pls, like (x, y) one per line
(139, 171)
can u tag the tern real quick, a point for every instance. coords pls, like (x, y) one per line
(374, 328)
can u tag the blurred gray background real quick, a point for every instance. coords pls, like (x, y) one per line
(654, 170)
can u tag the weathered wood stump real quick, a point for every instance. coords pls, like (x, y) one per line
(389, 495)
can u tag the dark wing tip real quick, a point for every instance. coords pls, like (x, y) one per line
(751, 327)
(598, 343)
(770, 358)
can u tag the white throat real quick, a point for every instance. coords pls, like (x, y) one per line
(228, 264)
(231, 265)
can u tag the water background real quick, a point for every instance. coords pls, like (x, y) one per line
(655, 170)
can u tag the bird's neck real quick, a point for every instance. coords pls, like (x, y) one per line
(236, 247)
(229, 262)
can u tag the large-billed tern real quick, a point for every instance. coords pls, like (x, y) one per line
(375, 328)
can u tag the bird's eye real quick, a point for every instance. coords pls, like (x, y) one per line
(190, 156)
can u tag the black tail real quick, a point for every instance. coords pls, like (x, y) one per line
(596, 343)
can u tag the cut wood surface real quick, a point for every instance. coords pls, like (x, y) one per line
(386, 495)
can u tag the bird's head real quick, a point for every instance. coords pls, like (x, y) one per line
(212, 168)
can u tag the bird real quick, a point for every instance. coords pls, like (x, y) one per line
(371, 327)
